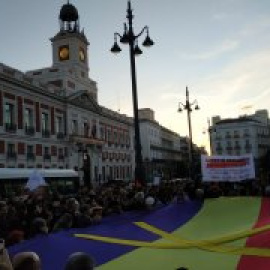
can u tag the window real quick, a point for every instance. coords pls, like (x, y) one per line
(45, 121)
(30, 149)
(30, 152)
(28, 117)
(74, 126)
(102, 133)
(85, 129)
(236, 134)
(9, 113)
(10, 117)
(246, 133)
(11, 148)
(115, 137)
(228, 135)
(45, 125)
(11, 153)
(29, 121)
(59, 126)
(47, 153)
(46, 150)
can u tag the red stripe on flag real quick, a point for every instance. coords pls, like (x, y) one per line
(260, 240)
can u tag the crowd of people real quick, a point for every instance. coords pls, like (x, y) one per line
(24, 214)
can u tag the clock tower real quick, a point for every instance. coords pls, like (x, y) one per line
(69, 72)
(70, 44)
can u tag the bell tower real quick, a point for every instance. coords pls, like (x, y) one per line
(70, 45)
(70, 68)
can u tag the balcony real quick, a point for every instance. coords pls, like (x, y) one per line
(29, 130)
(60, 135)
(10, 127)
(228, 136)
(246, 135)
(61, 157)
(248, 146)
(237, 147)
(30, 157)
(11, 156)
(229, 148)
(46, 133)
(47, 157)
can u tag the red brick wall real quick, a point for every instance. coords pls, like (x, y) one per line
(52, 121)
(20, 112)
(21, 148)
(1, 109)
(39, 150)
(2, 147)
(37, 117)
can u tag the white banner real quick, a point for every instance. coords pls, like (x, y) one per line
(227, 168)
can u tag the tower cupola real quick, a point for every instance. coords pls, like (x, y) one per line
(69, 18)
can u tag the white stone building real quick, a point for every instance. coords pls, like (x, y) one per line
(238, 136)
(161, 147)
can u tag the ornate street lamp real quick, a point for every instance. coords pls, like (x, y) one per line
(188, 106)
(128, 37)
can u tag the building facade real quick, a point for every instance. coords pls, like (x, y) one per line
(50, 117)
(242, 135)
(161, 147)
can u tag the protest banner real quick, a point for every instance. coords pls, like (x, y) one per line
(227, 168)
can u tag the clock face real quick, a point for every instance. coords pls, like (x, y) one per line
(82, 54)
(63, 53)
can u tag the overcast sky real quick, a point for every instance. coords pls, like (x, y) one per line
(219, 49)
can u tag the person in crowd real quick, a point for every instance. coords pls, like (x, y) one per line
(80, 261)
(14, 237)
(39, 227)
(4, 221)
(84, 219)
(5, 262)
(26, 261)
(64, 222)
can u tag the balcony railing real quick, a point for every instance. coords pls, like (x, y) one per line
(30, 156)
(11, 155)
(29, 130)
(248, 146)
(61, 157)
(229, 148)
(46, 133)
(237, 147)
(60, 135)
(10, 127)
(47, 157)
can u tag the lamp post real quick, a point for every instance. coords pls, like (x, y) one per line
(188, 106)
(128, 37)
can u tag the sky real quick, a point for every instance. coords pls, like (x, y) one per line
(220, 49)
